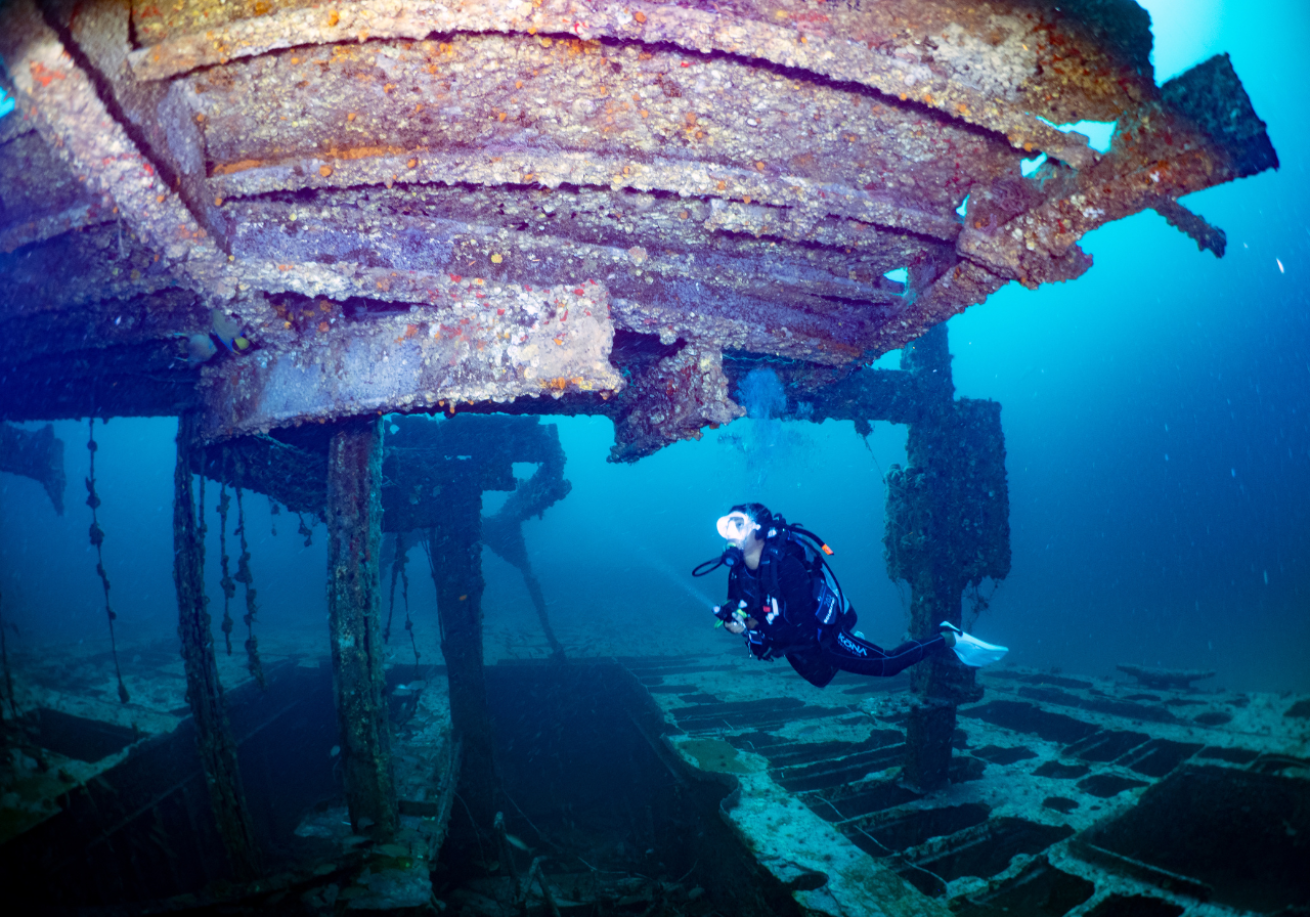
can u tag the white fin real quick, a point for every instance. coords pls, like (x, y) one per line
(974, 652)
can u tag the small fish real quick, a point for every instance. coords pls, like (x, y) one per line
(336, 750)
(1280, 266)
(199, 349)
(517, 844)
(225, 327)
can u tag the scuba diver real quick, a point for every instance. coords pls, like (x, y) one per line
(786, 600)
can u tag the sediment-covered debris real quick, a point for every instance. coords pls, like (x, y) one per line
(1164, 678)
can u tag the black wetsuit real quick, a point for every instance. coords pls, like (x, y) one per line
(817, 652)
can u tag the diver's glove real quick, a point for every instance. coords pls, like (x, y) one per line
(972, 651)
(725, 615)
(735, 619)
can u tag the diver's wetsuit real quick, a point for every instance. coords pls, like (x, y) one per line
(816, 652)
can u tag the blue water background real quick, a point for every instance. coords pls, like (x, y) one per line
(1155, 413)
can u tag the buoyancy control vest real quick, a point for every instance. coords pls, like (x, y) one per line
(829, 601)
(764, 596)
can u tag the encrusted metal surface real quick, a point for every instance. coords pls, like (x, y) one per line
(375, 194)
(478, 346)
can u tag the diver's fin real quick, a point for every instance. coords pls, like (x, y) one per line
(972, 651)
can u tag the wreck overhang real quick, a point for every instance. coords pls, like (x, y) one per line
(554, 206)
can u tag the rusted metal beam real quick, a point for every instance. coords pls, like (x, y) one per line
(455, 550)
(488, 346)
(731, 178)
(677, 397)
(60, 98)
(941, 55)
(1164, 148)
(36, 211)
(354, 518)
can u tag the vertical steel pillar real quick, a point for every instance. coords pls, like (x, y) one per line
(218, 751)
(354, 522)
(923, 548)
(456, 546)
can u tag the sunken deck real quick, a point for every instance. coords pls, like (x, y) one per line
(1068, 795)
(114, 792)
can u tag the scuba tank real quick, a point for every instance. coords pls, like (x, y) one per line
(830, 604)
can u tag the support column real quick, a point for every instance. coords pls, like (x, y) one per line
(218, 751)
(937, 541)
(456, 552)
(939, 685)
(354, 522)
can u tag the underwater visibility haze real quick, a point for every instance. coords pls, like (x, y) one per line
(1157, 438)
(1156, 422)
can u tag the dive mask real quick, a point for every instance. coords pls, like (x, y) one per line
(736, 527)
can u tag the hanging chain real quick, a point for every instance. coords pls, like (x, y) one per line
(978, 603)
(227, 583)
(98, 539)
(202, 528)
(245, 577)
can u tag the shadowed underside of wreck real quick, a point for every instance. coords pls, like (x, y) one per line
(554, 206)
